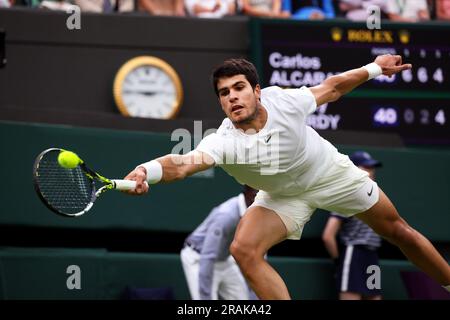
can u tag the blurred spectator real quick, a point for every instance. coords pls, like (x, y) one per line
(264, 8)
(443, 9)
(210, 8)
(408, 10)
(55, 5)
(62, 5)
(310, 9)
(358, 245)
(162, 7)
(211, 272)
(6, 3)
(356, 10)
(105, 5)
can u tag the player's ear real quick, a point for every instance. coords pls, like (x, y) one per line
(257, 91)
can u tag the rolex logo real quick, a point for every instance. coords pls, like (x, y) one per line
(336, 34)
(404, 36)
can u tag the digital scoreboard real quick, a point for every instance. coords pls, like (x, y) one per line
(414, 103)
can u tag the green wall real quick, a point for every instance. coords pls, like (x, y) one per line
(416, 180)
(41, 273)
(170, 207)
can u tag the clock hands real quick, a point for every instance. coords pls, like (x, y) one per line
(145, 93)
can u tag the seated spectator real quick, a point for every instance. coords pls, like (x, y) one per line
(356, 10)
(210, 8)
(105, 5)
(408, 10)
(310, 9)
(443, 10)
(162, 7)
(264, 8)
(6, 3)
(59, 5)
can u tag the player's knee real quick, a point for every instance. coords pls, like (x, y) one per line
(243, 253)
(238, 251)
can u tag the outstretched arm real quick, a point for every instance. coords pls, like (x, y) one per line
(336, 86)
(169, 168)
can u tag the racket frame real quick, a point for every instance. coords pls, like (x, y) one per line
(92, 175)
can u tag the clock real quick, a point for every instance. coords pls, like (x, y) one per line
(148, 87)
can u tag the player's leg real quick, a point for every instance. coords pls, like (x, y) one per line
(384, 219)
(259, 230)
(189, 260)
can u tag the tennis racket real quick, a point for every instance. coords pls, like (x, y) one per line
(70, 192)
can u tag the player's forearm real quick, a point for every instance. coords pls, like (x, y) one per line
(164, 169)
(172, 168)
(347, 81)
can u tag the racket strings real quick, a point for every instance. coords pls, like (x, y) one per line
(67, 190)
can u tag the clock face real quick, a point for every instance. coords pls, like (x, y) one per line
(147, 87)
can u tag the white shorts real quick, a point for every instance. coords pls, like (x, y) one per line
(344, 189)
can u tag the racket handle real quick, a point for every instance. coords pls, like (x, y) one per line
(125, 185)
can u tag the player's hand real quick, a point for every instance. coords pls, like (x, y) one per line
(391, 64)
(139, 175)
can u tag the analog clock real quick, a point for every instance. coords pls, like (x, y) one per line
(148, 87)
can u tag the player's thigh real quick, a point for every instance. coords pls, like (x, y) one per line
(383, 216)
(260, 229)
(294, 211)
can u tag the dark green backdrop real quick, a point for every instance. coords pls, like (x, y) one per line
(417, 181)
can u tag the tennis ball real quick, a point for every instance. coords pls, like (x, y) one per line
(68, 159)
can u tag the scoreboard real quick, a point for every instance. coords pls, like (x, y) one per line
(414, 103)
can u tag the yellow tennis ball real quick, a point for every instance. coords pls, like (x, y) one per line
(68, 159)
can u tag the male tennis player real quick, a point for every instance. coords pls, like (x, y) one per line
(265, 143)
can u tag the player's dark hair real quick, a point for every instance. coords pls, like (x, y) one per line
(233, 67)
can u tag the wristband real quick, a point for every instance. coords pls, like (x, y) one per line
(373, 69)
(154, 171)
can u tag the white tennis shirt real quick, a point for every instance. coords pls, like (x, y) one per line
(286, 157)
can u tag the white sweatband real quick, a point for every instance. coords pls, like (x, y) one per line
(154, 171)
(373, 69)
(447, 288)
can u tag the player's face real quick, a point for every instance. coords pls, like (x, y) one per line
(238, 99)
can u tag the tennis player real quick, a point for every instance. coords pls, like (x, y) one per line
(265, 143)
